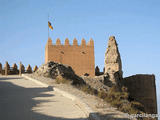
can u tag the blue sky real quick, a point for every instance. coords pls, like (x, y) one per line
(23, 30)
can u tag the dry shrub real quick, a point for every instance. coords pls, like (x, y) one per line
(88, 89)
(137, 105)
(60, 79)
(102, 94)
(118, 97)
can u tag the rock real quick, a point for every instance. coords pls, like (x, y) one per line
(99, 83)
(53, 69)
(113, 65)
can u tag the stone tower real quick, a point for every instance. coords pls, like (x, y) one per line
(112, 59)
(79, 57)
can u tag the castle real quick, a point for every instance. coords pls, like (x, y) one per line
(79, 57)
(141, 87)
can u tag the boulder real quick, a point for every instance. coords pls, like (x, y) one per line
(99, 83)
(54, 70)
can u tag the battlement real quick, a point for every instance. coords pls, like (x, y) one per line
(79, 57)
(75, 42)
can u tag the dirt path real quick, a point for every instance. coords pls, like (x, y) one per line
(22, 99)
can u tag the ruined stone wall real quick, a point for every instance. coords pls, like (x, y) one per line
(113, 64)
(7, 70)
(79, 57)
(143, 89)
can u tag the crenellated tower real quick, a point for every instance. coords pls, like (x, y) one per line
(79, 57)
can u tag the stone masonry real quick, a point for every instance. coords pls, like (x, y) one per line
(29, 69)
(7, 67)
(79, 57)
(21, 68)
(7, 70)
(0, 68)
(15, 69)
(142, 88)
(35, 68)
(113, 60)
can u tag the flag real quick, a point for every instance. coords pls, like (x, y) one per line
(49, 25)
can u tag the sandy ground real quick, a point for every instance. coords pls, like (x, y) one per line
(103, 109)
(21, 99)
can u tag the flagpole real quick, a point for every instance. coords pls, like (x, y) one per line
(48, 26)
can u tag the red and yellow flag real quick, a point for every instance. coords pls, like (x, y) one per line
(49, 25)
